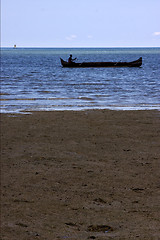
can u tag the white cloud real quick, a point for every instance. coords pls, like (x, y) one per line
(89, 36)
(156, 33)
(71, 37)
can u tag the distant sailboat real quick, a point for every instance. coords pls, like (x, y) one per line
(15, 45)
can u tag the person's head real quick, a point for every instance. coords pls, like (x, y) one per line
(70, 55)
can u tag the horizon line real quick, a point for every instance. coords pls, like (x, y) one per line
(81, 47)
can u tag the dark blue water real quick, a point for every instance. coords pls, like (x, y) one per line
(33, 79)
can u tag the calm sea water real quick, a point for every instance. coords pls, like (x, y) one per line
(33, 79)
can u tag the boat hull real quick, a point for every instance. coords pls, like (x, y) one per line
(136, 63)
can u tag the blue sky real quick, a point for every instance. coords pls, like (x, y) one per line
(80, 23)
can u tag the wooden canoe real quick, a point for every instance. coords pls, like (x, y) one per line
(136, 63)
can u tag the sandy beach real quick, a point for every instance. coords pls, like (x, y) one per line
(80, 175)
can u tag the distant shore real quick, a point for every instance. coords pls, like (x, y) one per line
(90, 174)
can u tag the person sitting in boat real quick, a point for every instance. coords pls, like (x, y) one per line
(70, 59)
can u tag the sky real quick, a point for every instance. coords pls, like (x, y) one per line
(80, 23)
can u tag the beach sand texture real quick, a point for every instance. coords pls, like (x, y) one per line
(80, 175)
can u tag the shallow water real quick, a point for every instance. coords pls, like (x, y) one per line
(33, 79)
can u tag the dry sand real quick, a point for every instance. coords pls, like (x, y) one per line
(80, 175)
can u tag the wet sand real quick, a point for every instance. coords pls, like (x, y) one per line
(80, 175)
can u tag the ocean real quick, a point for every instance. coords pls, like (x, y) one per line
(32, 79)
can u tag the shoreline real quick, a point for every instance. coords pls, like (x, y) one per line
(80, 175)
(118, 108)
